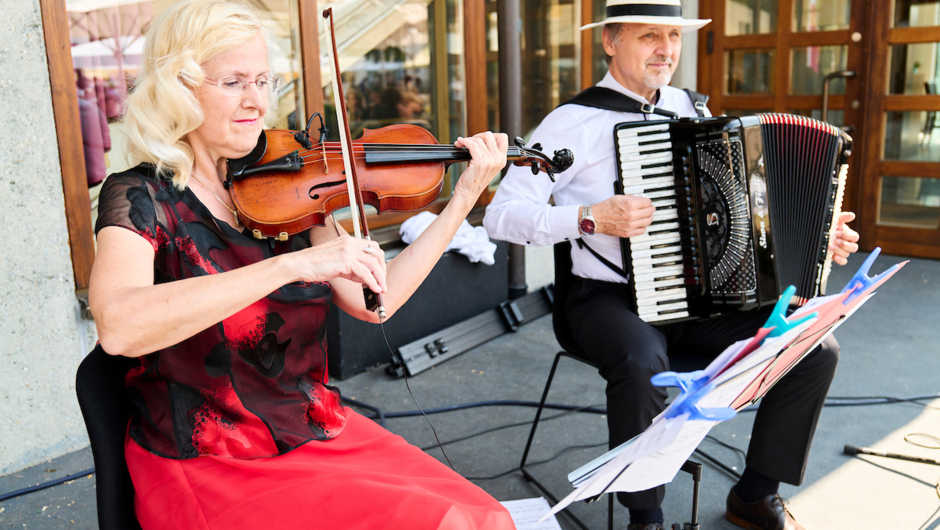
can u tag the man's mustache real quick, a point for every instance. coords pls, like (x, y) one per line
(659, 59)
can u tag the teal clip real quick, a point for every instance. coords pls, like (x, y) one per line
(693, 385)
(778, 318)
(861, 282)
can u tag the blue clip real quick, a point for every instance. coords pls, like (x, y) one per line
(693, 386)
(861, 282)
(778, 318)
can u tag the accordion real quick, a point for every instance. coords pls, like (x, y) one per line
(745, 207)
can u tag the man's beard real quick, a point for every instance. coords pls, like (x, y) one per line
(659, 79)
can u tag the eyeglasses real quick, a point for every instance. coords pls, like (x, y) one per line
(235, 85)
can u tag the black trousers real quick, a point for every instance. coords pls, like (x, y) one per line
(629, 351)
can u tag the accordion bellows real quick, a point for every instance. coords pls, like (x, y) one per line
(745, 207)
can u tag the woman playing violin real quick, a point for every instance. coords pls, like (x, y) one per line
(236, 424)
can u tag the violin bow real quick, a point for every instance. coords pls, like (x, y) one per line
(360, 227)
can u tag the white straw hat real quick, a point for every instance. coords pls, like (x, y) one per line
(660, 12)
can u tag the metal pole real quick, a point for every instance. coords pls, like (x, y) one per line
(510, 111)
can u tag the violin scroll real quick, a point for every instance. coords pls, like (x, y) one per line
(537, 160)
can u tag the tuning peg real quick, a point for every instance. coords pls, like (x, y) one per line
(519, 141)
(537, 147)
(536, 167)
(563, 159)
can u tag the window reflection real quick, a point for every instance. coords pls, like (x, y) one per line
(744, 112)
(747, 17)
(400, 62)
(809, 66)
(749, 71)
(107, 43)
(915, 13)
(835, 117)
(550, 70)
(821, 15)
(912, 136)
(914, 68)
(910, 201)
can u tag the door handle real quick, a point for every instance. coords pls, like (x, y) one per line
(844, 74)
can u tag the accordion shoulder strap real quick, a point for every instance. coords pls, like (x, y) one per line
(602, 259)
(698, 101)
(605, 98)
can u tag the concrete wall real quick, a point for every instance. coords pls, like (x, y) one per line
(42, 336)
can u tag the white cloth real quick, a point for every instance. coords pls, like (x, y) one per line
(520, 212)
(470, 241)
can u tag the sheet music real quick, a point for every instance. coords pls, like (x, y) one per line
(527, 513)
(745, 370)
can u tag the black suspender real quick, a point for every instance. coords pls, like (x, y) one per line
(607, 99)
(698, 101)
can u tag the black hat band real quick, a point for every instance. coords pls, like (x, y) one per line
(644, 10)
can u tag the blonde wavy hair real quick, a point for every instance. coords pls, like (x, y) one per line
(162, 108)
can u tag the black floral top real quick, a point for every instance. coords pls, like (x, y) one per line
(253, 385)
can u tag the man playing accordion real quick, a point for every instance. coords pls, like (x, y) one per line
(643, 39)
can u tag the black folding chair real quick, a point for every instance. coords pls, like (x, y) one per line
(106, 408)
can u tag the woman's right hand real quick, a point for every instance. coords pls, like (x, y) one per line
(344, 257)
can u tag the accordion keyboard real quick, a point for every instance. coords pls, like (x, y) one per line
(646, 169)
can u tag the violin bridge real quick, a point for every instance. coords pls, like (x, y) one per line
(326, 164)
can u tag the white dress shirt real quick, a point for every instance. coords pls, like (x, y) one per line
(520, 212)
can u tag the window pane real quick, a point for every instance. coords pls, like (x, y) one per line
(911, 136)
(913, 13)
(107, 44)
(910, 201)
(809, 66)
(407, 68)
(749, 71)
(914, 68)
(821, 15)
(744, 112)
(550, 71)
(549, 57)
(836, 117)
(747, 17)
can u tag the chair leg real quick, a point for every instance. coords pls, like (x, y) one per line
(525, 455)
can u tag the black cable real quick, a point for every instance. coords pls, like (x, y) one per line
(378, 412)
(539, 462)
(830, 402)
(508, 426)
(45, 485)
(400, 362)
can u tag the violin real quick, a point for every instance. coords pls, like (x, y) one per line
(289, 183)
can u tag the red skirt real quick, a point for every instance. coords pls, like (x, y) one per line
(365, 478)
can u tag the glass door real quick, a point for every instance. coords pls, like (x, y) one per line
(901, 173)
(774, 55)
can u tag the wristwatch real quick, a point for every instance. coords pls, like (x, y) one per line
(586, 223)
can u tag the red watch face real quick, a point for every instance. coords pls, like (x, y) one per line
(586, 226)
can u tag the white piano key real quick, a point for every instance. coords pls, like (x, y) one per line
(634, 131)
(647, 287)
(670, 316)
(647, 252)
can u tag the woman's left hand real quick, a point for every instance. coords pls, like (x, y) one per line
(488, 152)
(846, 240)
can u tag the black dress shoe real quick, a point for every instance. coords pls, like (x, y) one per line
(769, 513)
(645, 526)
